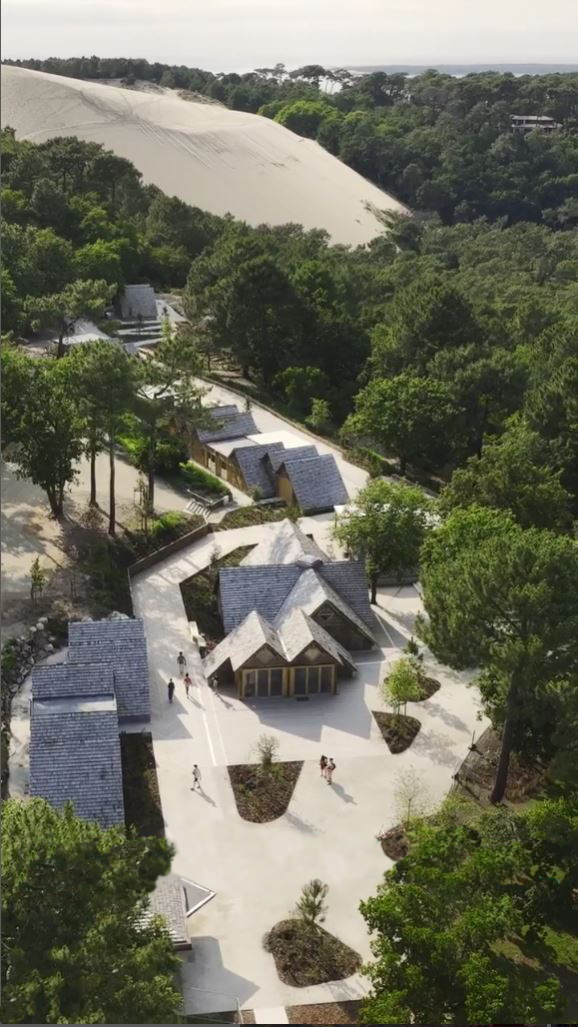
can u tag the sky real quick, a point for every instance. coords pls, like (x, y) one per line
(238, 35)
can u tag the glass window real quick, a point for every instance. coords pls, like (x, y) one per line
(276, 681)
(263, 682)
(300, 681)
(326, 679)
(249, 683)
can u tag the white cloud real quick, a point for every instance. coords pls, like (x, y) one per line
(229, 34)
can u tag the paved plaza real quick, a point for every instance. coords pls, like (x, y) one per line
(257, 870)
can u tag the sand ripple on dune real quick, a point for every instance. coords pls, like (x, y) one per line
(220, 160)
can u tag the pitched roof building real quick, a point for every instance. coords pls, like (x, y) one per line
(252, 461)
(121, 645)
(291, 614)
(77, 712)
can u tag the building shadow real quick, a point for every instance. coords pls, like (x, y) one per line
(207, 986)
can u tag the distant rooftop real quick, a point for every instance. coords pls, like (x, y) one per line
(138, 301)
(230, 423)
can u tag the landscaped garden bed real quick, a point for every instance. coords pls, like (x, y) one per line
(142, 801)
(306, 955)
(162, 530)
(245, 516)
(398, 729)
(395, 842)
(263, 794)
(325, 1012)
(428, 687)
(202, 481)
(200, 594)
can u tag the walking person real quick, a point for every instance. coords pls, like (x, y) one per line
(181, 663)
(171, 689)
(323, 765)
(188, 684)
(329, 770)
(196, 777)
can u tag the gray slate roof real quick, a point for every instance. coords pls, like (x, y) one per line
(168, 901)
(72, 679)
(138, 300)
(251, 460)
(310, 593)
(230, 423)
(296, 453)
(317, 482)
(265, 588)
(121, 645)
(284, 543)
(288, 637)
(75, 756)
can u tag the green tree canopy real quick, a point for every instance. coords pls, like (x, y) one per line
(463, 888)
(41, 423)
(514, 474)
(75, 948)
(385, 527)
(413, 418)
(506, 599)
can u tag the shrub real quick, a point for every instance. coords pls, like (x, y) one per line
(320, 417)
(169, 524)
(267, 749)
(402, 685)
(169, 455)
(312, 907)
(202, 480)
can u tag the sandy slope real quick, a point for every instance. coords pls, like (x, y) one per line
(217, 159)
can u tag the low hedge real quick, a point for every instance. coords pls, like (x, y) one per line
(202, 481)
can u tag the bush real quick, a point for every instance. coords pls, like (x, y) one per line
(169, 526)
(170, 454)
(201, 480)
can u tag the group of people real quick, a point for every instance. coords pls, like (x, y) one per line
(181, 664)
(327, 766)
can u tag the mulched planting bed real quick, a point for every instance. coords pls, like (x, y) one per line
(476, 774)
(200, 594)
(309, 955)
(325, 1012)
(142, 801)
(395, 843)
(428, 686)
(397, 729)
(262, 795)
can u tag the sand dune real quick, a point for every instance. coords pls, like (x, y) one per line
(217, 159)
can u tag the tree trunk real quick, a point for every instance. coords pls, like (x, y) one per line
(373, 581)
(60, 347)
(151, 469)
(151, 489)
(501, 779)
(92, 500)
(245, 370)
(55, 502)
(112, 506)
(402, 464)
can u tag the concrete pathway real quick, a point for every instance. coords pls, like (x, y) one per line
(276, 1014)
(258, 870)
